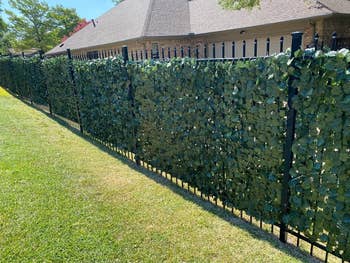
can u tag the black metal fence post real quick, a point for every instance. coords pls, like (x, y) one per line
(48, 97)
(75, 92)
(268, 42)
(255, 48)
(244, 47)
(334, 41)
(24, 74)
(233, 49)
(27, 83)
(281, 44)
(131, 97)
(316, 38)
(125, 54)
(288, 153)
(223, 50)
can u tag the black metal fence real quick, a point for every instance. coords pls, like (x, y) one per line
(238, 50)
(164, 55)
(212, 51)
(204, 52)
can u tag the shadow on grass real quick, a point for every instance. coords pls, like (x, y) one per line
(226, 215)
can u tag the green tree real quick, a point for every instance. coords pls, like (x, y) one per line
(227, 4)
(117, 1)
(64, 20)
(30, 24)
(4, 39)
(36, 25)
(3, 26)
(239, 4)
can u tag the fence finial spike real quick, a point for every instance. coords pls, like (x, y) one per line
(334, 41)
(316, 38)
(297, 38)
(125, 53)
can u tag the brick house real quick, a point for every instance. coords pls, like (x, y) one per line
(174, 26)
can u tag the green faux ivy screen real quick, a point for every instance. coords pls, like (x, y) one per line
(219, 126)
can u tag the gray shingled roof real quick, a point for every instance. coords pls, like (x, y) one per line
(337, 6)
(207, 16)
(123, 22)
(135, 19)
(168, 18)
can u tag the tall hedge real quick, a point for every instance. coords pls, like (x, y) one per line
(220, 127)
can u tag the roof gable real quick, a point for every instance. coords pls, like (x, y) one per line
(135, 19)
(123, 22)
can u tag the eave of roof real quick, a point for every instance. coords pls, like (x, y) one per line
(180, 18)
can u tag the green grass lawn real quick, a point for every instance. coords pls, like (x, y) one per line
(64, 199)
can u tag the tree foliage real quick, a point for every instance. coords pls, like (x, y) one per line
(4, 36)
(117, 1)
(35, 24)
(64, 20)
(3, 25)
(32, 24)
(228, 4)
(239, 4)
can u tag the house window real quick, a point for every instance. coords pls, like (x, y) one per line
(155, 51)
(92, 55)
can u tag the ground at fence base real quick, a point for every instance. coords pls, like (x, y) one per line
(3, 92)
(63, 199)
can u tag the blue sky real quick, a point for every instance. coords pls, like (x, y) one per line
(86, 8)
